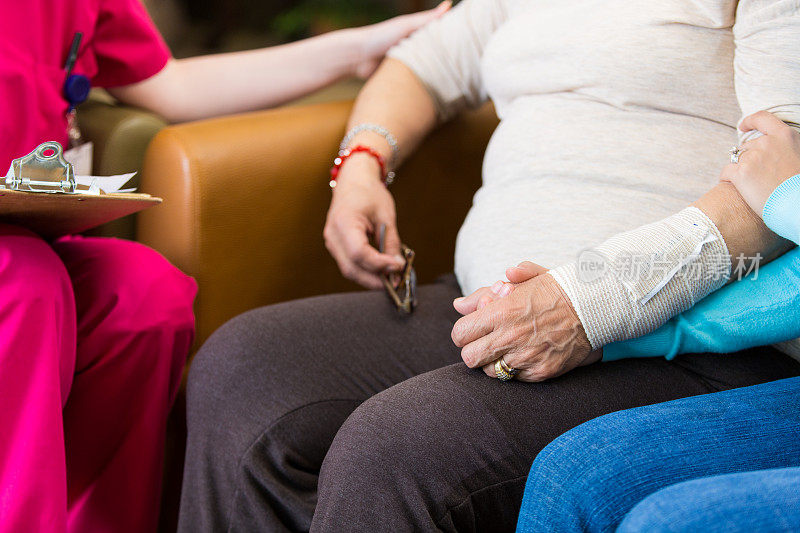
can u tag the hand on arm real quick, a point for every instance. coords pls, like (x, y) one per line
(732, 318)
(751, 312)
(377, 39)
(207, 86)
(765, 165)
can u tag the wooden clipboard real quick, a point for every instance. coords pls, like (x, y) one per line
(54, 215)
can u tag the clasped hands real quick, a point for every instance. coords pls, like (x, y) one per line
(528, 321)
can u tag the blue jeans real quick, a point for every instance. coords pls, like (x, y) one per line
(675, 466)
(764, 500)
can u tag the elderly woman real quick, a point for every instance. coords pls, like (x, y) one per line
(336, 414)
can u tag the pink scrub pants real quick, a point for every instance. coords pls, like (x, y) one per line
(94, 335)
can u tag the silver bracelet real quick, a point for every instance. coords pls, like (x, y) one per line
(380, 130)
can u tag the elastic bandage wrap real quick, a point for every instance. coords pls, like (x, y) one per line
(636, 281)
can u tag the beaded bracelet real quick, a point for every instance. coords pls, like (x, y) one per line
(386, 177)
(380, 130)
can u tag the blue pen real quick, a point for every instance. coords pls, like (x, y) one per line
(76, 86)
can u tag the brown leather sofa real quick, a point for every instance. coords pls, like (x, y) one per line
(246, 198)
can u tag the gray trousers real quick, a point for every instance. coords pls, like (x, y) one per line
(337, 414)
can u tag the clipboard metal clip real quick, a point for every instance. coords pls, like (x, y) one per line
(43, 170)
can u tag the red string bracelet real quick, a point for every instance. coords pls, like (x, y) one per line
(347, 152)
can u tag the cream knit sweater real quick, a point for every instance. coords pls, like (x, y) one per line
(613, 113)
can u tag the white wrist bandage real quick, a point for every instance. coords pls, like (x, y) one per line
(636, 281)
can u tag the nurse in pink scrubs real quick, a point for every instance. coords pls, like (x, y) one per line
(94, 332)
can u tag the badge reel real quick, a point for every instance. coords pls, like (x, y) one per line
(43, 170)
(80, 153)
(75, 91)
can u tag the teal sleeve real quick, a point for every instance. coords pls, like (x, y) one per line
(763, 308)
(782, 211)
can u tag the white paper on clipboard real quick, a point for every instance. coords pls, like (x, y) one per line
(108, 184)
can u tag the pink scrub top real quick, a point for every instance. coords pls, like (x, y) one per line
(120, 46)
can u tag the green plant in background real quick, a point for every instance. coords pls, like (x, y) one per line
(312, 17)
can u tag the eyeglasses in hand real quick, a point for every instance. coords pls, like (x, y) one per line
(401, 288)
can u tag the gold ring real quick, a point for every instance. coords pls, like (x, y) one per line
(503, 371)
(736, 152)
(510, 370)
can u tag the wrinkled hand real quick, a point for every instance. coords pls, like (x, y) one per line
(377, 39)
(360, 204)
(486, 295)
(766, 161)
(533, 327)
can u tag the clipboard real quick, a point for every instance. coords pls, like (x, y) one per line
(54, 215)
(44, 197)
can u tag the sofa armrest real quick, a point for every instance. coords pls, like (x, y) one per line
(246, 198)
(120, 135)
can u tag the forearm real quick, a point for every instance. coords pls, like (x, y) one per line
(360, 203)
(761, 309)
(690, 255)
(743, 230)
(221, 84)
(395, 99)
(747, 313)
